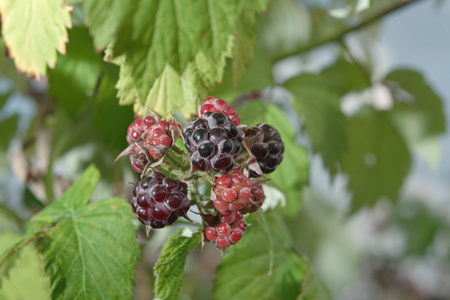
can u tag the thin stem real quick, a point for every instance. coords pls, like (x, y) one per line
(342, 32)
(177, 150)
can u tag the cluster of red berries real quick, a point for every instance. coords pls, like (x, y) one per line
(148, 141)
(216, 143)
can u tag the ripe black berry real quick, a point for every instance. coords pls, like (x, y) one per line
(159, 201)
(267, 148)
(214, 142)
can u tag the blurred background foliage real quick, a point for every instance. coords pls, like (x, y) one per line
(362, 85)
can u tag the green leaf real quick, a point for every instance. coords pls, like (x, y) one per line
(319, 107)
(263, 265)
(104, 18)
(344, 76)
(377, 159)
(76, 73)
(91, 251)
(77, 195)
(170, 265)
(33, 31)
(416, 100)
(192, 39)
(26, 270)
(292, 174)
(170, 92)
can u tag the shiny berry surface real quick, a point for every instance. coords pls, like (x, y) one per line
(158, 200)
(213, 141)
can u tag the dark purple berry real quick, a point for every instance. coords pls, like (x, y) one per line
(214, 142)
(267, 148)
(159, 200)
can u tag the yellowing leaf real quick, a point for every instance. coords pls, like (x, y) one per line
(33, 30)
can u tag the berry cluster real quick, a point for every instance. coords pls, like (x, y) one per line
(148, 140)
(228, 154)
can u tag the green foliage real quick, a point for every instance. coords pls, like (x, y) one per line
(318, 105)
(344, 76)
(377, 160)
(264, 265)
(295, 161)
(104, 18)
(170, 86)
(110, 118)
(33, 43)
(166, 56)
(77, 258)
(76, 73)
(193, 39)
(170, 265)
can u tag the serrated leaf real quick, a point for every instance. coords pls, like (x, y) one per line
(416, 99)
(263, 265)
(377, 160)
(104, 18)
(34, 31)
(27, 269)
(170, 92)
(91, 250)
(292, 174)
(344, 76)
(155, 34)
(170, 265)
(318, 105)
(76, 196)
(76, 73)
(192, 38)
